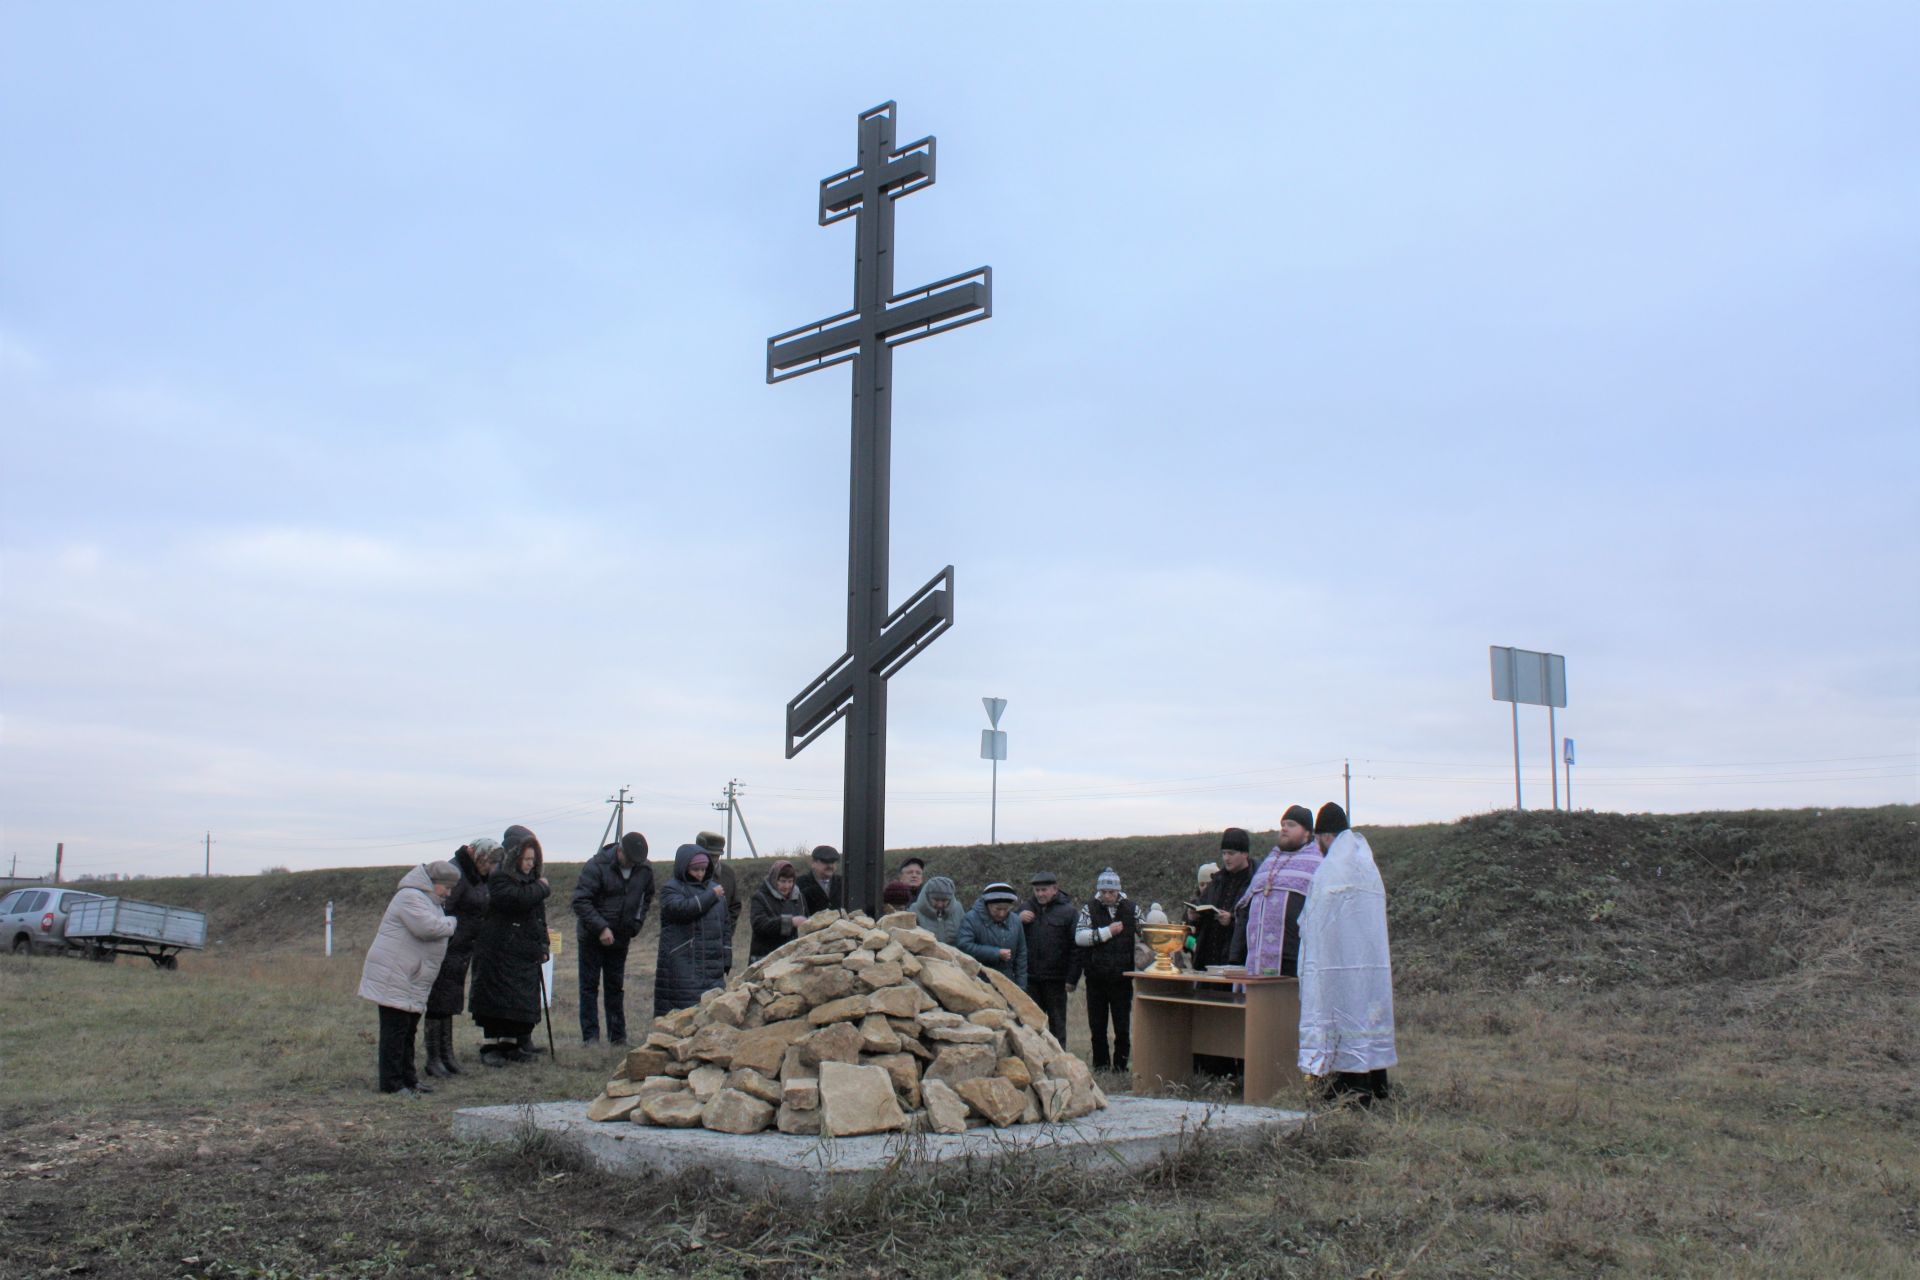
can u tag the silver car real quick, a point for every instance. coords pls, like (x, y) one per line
(36, 919)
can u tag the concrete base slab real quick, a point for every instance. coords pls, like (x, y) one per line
(1129, 1134)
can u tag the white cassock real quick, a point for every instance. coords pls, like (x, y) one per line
(1346, 973)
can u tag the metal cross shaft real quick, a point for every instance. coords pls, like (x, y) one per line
(879, 641)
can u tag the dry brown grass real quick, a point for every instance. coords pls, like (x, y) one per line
(1755, 1116)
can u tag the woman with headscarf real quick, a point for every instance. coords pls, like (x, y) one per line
(507, 994)
(401, 966)
(695, 949)
(939, 909)
(776, 911)
(467, 904)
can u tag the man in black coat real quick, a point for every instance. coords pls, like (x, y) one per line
(1053, 962)
(610, 900)
(1213, 920)
(722, 874)
(821, 887)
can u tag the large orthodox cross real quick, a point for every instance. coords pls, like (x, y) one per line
(879, 641)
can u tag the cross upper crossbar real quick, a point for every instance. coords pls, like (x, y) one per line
(908, 317)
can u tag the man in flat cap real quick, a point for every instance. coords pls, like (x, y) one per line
(822, 886)
(1053, 962)
(721, 874)
(610, 902)
(913, 874)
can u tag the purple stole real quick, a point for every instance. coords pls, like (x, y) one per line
(1266, 902)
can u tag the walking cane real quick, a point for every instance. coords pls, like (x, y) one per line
(546, 1016)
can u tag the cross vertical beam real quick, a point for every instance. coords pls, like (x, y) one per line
(879, 642)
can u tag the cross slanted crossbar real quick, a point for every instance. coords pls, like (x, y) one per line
(879, 641)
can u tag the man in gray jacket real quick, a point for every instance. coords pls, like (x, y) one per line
(610, 900)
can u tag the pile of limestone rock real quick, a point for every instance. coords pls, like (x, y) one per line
(855, 1026)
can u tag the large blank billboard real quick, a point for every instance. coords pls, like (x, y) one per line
(1521, 675)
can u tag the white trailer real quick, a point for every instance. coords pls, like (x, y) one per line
(109, 927)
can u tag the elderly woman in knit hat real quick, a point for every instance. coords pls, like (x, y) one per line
(990, 935)
(401, 966)
(1107, 930)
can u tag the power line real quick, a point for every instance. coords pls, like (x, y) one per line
(1504, 766)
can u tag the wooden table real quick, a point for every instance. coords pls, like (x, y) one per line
(1176, 1015)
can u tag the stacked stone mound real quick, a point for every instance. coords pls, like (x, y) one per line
(855, 1026)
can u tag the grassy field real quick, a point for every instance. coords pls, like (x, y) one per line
(1629, 1045)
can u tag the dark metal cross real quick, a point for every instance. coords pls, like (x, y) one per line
(879, 642)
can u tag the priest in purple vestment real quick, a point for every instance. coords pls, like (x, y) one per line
(1272, 902)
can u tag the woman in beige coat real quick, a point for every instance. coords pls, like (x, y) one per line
(402, 964)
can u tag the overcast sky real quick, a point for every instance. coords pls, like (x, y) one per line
(388, 454)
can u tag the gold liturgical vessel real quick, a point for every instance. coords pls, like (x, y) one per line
(1164, 939)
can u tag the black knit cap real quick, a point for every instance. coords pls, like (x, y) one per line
(1299, 813)
(1332, 820)
(635, 845)
(1236, 839)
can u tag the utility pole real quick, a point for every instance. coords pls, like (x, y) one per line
(1346, 777)
(59, 856)
(731, 805)
(15, 875)
(726, 803)
(209, 871)
(614, 820)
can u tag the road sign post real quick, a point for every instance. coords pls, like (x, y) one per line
(993, 746)
(1538, 679)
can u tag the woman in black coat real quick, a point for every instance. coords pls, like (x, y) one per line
(695, 950)
(509, 950)
(467, 904)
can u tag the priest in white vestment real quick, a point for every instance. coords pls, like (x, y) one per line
(1346, 974)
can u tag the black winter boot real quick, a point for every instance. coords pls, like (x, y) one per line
(494, 1052)
(446, 1047)
(433, 1032)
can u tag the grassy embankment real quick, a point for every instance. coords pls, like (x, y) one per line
(1630, 1045)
